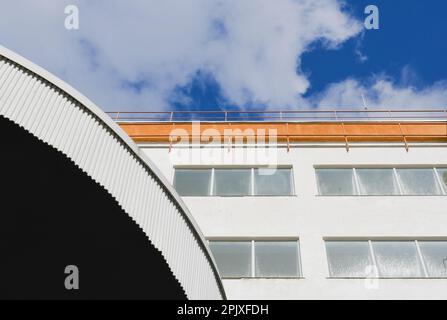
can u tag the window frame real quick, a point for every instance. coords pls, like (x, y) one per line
(435, 179)
(249, 182)
(358, 180)
(252, 241)
(291, 179)
(357, 189)
(373, 258)
(355, 184)
(236, 241)
(421, 252)
(210, 180)
(252, 188)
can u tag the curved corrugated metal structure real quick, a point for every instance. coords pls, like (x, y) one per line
(58, 115)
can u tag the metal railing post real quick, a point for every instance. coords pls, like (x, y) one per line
(404, 137)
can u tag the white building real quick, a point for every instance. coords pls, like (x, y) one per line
(356, 209)
(294, 205)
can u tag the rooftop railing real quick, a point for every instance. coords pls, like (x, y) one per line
(308, 115)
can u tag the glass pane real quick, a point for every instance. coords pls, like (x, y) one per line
(273, 182)
(377, 182)
(443, 175)
(349, 259)
(276, 259)
(336, 181)
(232, 182)
(418, 182)
(192, 182)
(434, 254)
(397, 259)
(233, 258)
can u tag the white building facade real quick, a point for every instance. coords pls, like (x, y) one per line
(343, 216)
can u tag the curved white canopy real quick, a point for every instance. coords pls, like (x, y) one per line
(60, 116)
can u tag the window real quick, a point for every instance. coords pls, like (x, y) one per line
(434, 254)
(273, 182)
(233, 258)
(377, 182)
(192, 182)
(442, 172)
(276, 259)
(418, 182)
(336, 181)
(265, 259)
(348, 258)
(233, 182)
(387, 259)
(382, 181)
(397, 259)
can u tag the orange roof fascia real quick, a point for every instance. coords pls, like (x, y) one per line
(157, 132)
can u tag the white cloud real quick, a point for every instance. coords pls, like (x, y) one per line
(382, 93)
(133, 54)
(251, 47)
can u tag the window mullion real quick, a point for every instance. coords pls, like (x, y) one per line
(252, 181)
(211, 191)
(373, 257)
(421, 259)
(298, 263)
(292, 182)
(253, 259)
(440, 183)
(399, 185)
(356, 182)
(317, 181)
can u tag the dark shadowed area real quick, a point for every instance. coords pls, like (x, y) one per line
(53, 215)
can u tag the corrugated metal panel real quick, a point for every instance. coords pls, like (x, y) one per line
(59, 119)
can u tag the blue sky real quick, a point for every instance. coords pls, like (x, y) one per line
(411, 37)
(410, 48)
(230, 54)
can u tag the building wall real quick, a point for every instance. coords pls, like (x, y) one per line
(312, 218)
